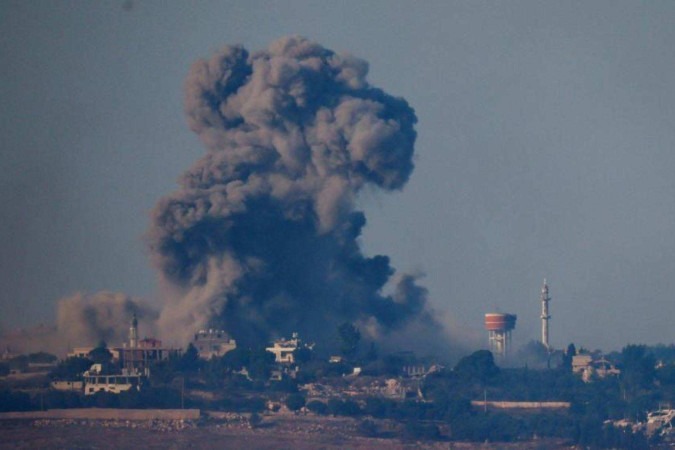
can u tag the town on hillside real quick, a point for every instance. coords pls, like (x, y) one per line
(572, 396)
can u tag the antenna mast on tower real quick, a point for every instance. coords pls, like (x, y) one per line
(545, 316)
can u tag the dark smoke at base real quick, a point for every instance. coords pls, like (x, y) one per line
(261, 238)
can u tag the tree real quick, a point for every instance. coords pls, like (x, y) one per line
(534, 354)
(237, 359)
(42, 358)
(339, 407)
(260, 364)
(638, 366)
(374, 407)
(53, 399)
(318, 407)
(190, 361)
(349, 339)
(568, 356)
(418, 430)
(254, 420)
(666, 375)
(479, 365)
(295, 401)
(367, 428)
(70, 369)
(14, 401)
(371, 355)
(19, 363)
(302, 355)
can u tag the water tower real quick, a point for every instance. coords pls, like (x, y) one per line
(499, 328)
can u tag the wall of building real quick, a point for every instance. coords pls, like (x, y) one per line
(105, 414)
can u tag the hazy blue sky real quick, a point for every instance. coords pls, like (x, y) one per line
(545, 149)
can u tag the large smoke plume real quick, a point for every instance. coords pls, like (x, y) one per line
(84, 320)
(261, 237)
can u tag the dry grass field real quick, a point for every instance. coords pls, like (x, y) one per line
(276, 432)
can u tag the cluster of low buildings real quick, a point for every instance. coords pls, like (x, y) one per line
(136, 356)
(593, 366)
(213, 343)
(660, 422)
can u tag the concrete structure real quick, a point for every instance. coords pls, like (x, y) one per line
(588, 366)
(420, 371)
(581, 362)
(283, 349)
(83, 352)
(140, 354)
(661, 422)
(545, 316)
(499, 327)
(79, 352)
(95, 381)
(7, 355)
(210, 343)
(67, 385)
(521, 405)
(105, 414)
(146, 352)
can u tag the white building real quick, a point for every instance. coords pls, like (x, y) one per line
(210, 343)
(283, 349)
(95, 381)
(588, 366)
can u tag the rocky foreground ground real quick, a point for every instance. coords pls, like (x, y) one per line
(219, 431)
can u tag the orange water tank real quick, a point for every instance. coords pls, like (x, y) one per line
(500, 322)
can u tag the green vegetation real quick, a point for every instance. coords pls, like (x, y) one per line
(71, 369)
(41, 358)
(439, 407)
(295, 401)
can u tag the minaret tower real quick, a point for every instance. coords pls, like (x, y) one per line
(133, 332)
(545, 316)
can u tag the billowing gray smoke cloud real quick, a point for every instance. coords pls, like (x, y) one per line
(84, 320)
(261, 238)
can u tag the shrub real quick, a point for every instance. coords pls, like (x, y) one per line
(338, 407)
(368, 428)
(318, 407)
(254, 420)
(15, 401)
(419, 430)
(295, 402)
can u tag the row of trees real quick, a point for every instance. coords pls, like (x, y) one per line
(448, 394)
(641, 387)
(157, 397)
(23, 362)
